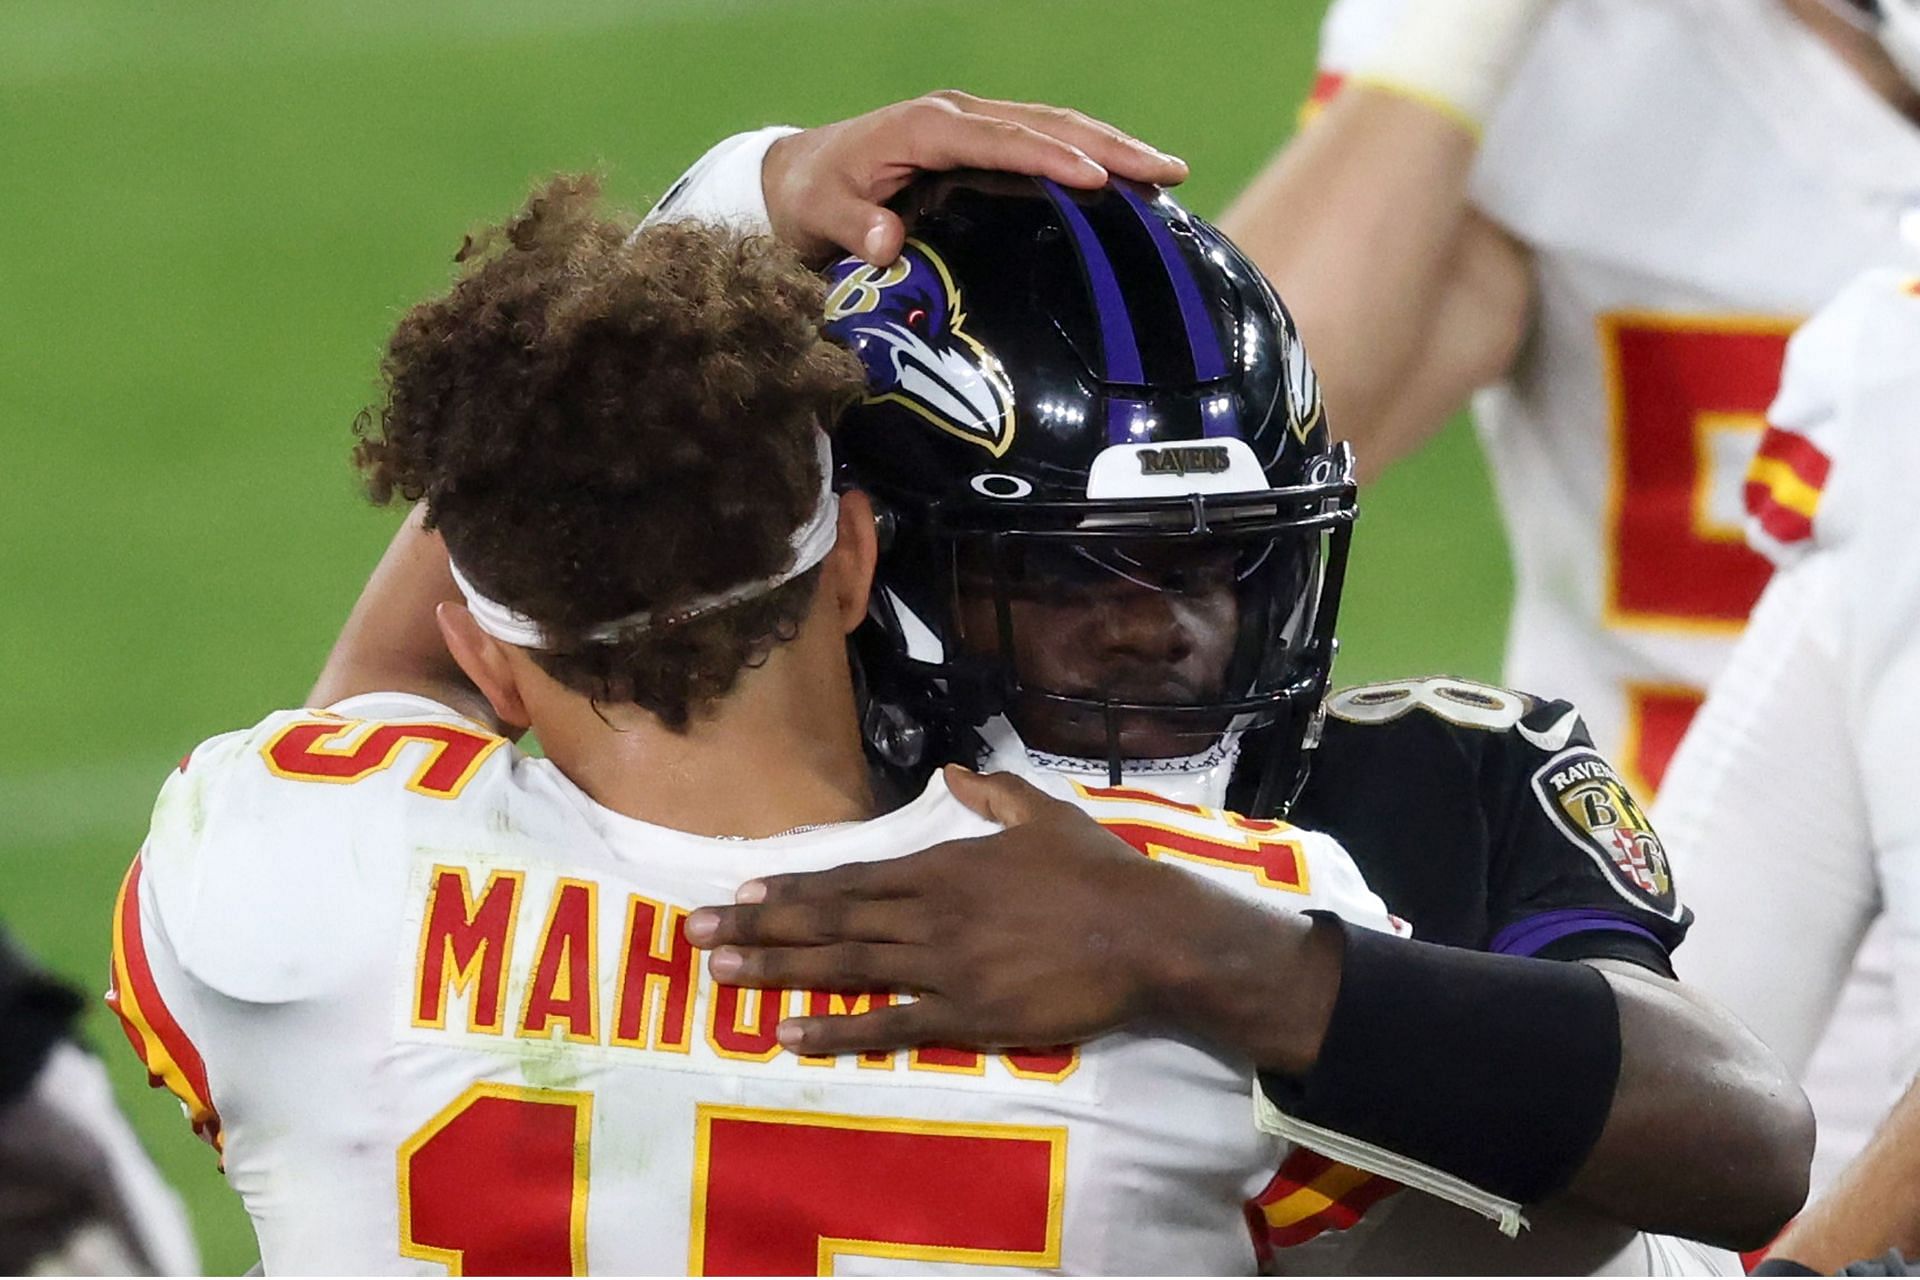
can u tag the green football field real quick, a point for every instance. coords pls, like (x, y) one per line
(214, 211)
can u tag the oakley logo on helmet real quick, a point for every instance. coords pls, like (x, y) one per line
(1183, 460)
(908, 326)
(993, 485)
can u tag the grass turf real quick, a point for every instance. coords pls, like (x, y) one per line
(216, 209)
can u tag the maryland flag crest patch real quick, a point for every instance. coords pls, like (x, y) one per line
(1586, 798)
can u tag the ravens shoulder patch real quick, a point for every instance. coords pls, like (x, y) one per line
(1590, 804)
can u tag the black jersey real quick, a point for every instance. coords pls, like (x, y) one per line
(1488, 820)
(36, 1009)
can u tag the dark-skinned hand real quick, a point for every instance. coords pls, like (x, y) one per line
(826, 188)
(1049, 932)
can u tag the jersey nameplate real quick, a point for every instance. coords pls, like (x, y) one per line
(524, 957)
(1588, 802)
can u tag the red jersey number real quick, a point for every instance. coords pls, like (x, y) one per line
(1689, 396)
(496, 1184)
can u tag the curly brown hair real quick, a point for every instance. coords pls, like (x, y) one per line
(602, 422)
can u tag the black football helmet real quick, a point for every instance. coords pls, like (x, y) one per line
(1109, 506)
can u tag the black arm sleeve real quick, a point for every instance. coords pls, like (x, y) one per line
(1496, 1069)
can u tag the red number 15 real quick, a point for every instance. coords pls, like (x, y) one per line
(496, 1184)
(1689, 396)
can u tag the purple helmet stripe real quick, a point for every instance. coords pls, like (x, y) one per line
(1208, 361)
(1117, 346)
(1129, 422)
(1220, 416)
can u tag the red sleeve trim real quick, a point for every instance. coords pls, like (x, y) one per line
(1784, 484)
(1326, 86)
(1776, 521)
(1311, 1194)
(1800, 454)
(156, 1036)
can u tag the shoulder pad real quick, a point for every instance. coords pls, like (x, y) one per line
(1798, 487)
(256, 870)
(1243, 855)
(1588, 802)
(1507, 789)
(1479, 720)
(1464, 704)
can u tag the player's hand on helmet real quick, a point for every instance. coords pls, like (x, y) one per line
(1048, 932)
(826, 188)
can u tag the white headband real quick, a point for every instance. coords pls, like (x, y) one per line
(810, 543)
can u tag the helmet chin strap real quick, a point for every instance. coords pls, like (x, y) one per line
(1197, 779)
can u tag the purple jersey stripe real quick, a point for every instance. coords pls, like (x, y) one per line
(1208, 361)
(1531, 936)
(1117, 346)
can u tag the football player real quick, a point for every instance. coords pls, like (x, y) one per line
(1798, 769)
(431, 995)
(1615, 212)
(78, 1196)
(1607, 216)
(1027, 351)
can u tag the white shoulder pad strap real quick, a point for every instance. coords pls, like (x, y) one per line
(265, 878)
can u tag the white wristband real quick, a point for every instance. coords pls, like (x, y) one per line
(1456, 56)
(724, 184)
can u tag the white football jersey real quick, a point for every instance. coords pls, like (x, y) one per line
(1798, 775)
(1692, 178)
(435, 1007)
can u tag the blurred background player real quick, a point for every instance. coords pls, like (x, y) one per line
(1027, 351)
(78, 1196)
(629, 540)
(1606, 216)
(1793, 798)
